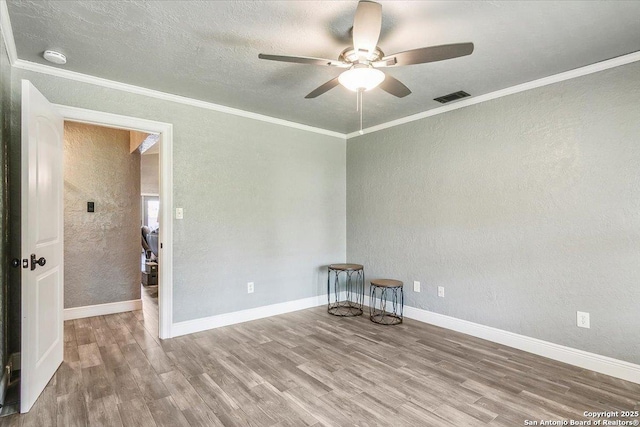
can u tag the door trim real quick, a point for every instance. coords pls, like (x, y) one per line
(99, 118)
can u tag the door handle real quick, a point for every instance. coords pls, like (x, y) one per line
(41, 261)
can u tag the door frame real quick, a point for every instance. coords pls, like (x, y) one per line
(165, 130)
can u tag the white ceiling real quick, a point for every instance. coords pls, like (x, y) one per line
(209, 50)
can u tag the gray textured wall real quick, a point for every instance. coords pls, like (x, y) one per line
(525, 208)
(5, 134)
(149, 173)
(101, 249)
(262, 202)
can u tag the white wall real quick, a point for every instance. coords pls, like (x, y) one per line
(262, 202)
(525, 208)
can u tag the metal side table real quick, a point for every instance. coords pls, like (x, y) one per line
(386, 301)
(345, 296)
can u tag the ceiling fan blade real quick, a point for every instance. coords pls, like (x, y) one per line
(394, 86)
(324, 88)
(366, 26)
(304, 60)
(429, 54)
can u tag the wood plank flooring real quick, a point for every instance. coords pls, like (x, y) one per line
(308, 368)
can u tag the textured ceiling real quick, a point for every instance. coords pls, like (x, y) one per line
(209, 50)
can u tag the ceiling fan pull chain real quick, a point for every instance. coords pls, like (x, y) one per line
(361, 92)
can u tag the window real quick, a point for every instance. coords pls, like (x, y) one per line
(151, 210)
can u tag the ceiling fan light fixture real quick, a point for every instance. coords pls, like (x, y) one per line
(361, 78)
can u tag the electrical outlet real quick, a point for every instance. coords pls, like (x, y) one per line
(441, 291)
(250, 287)
(179, 213)
(416, 286)
(583, 320)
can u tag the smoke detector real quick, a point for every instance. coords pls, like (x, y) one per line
(55, 57)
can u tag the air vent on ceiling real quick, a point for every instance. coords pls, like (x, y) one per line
(452, 97)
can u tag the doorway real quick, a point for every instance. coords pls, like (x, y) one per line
(42, 214)
(105, 171)
(165, 197)
(101, 232)
(150, 226)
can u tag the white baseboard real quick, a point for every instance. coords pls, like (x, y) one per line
(102, 309)
(583, 359)
(595, 362)
(205, 323)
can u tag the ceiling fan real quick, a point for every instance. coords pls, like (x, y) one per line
(364, 58)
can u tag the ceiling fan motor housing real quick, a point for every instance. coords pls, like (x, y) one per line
(352, 56)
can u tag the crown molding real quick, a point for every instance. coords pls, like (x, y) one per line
(7, 32)
(5, 26)
(556, 78)
(138, 90)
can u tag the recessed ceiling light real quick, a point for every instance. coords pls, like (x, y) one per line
(55, 57)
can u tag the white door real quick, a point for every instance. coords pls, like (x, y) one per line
(42, 244)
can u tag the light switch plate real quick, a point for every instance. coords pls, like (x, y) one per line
(179, 213)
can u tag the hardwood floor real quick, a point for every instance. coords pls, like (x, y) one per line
(308, 369)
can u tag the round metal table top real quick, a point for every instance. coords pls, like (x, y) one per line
(346, 267)
(387, 283)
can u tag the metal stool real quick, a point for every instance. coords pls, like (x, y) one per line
(347, 301)
(383, 292)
